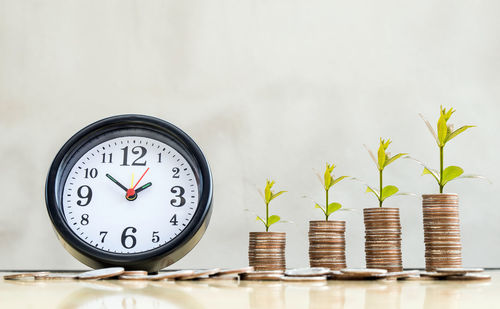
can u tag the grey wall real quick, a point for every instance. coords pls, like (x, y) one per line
(267, 89)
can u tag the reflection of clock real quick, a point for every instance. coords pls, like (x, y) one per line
(132, 191)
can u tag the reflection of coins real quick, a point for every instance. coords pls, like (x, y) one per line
(441, 231)
(266, 251)
(383, 239)
(327, 244)
(102, 273)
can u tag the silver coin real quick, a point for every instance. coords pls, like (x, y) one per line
(102, 273)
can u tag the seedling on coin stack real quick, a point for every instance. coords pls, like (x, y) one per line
(267, 249)
(440, 211)
(327, 238)
(382, 224)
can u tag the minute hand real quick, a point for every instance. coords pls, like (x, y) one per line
(116, 182)
(143, 187)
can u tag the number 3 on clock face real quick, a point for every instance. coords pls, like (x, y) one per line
(130, 194)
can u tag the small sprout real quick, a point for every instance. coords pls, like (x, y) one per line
(382, 160)
(268, 196)
(445, 133)
(328, 181)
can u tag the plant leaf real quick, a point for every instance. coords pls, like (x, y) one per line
(339, 179)
(442, 130)
(472, 176)
(267, 191)
(320, 207)
(275, 195)
(273, 219)
(372, 156)
(456, 132)
(259, 218)
(432, 172)
(333, 207)
(370, 189)
(450, 173)
(388, 191)
(381, 156)
(431, 129)
(394, 158)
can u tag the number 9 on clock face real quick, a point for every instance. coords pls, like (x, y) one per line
(130, 191)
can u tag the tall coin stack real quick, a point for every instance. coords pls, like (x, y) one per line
(441, 231)
(266, 250)
(383, 238)
(327, 244)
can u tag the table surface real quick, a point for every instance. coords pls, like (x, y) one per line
(250, 294)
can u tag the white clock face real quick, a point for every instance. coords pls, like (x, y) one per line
(130, 194)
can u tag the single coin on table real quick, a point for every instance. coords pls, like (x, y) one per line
(102, 273)
(134, 273)
(20, 276)
(401, 274)
(177, 274)
(303, 278)
(261, 277)
(234, 271)
(459, 271)
(308, 272)
(200, 274)
(222, 278)
(433, 274)
(57, 276)
(363, 271)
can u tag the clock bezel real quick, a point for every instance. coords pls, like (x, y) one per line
(153, 259)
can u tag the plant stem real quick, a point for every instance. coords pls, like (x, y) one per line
(326, 213)
(380, 194)
(267, 217)
(441, 186)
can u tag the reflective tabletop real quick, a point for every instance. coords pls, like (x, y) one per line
(250, 294)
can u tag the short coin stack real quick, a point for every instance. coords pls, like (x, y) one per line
(383, 239)
(266, 251)
(441, 231)
(327, 244)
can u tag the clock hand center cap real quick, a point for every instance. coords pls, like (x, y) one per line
(131, 195)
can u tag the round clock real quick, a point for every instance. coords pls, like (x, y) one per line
(130, 190)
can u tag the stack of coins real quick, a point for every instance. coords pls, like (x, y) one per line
(383, 239)
(266, 251)
(327, 244)
(441, 231)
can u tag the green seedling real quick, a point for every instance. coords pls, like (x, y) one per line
(445, 133)
(268, 196)
(382, 161)
(328, 181)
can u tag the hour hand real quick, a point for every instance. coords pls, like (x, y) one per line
(116, 182)
(143, 187)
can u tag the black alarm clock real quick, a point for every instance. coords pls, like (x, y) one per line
(130, 190)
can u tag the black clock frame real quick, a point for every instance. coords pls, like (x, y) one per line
(151, 260)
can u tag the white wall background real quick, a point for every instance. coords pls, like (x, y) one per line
(267, 89)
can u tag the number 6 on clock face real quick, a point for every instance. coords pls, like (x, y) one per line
(129, 194)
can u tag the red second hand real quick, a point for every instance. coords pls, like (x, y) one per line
(132, 190)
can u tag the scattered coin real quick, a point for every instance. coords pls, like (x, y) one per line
(308, 272)
(262, 276)
(236, 271)
(223, 277)
(401, 274)
(433, 274)
(303, 278)
(20, 276)
(102, 273)
(172, 275)
(200, 274)
(57, 276)
(363, 271)
(134, 273)
(459, 271)
(134, 277)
